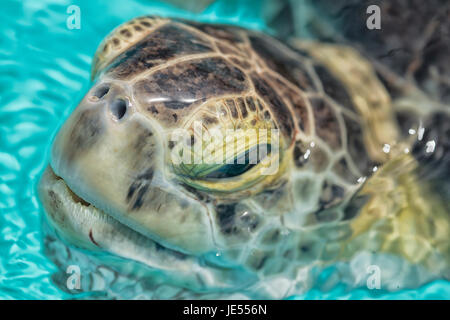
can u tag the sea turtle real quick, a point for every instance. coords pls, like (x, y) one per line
(113, 185)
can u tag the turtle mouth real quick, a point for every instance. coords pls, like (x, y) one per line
(81, 223)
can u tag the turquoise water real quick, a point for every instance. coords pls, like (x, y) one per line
(44, 72)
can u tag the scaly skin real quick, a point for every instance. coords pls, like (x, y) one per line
(112, 186)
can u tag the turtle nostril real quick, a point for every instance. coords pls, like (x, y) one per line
(118, 108)
(101, 91)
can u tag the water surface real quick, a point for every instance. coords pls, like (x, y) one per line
(44, 72)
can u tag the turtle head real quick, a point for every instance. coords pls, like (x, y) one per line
(155, 178)
(132, 148)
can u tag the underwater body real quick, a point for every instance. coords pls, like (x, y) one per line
(401, 226)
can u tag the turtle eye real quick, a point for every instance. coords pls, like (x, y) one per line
(229, 171)
(246, 173)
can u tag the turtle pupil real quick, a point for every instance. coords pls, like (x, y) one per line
(119, 108)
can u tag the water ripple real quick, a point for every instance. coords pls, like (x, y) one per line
(44, 72)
